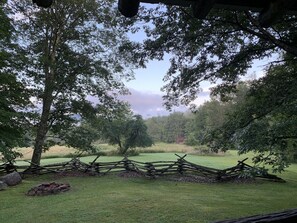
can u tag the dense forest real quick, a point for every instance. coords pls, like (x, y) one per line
(215, 125)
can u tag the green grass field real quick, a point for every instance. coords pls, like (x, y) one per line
(115, 199)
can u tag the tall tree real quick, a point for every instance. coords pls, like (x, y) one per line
(265, 121)
(169, 129)
(156, 128)
(197, 128)
(72, 52)
(13, 95)
(82, 138)
(127, 132)
(175, 128)
(212, 115)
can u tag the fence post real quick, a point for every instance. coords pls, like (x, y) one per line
(10, 167)
(219, 175)
(126, 163)
(180, 163)
(151, 171)
(97, 169)
(180, 169)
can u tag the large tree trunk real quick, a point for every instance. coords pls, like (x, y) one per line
(44, 126)
(42, 129)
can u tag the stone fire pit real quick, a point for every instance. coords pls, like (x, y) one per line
(48, 189)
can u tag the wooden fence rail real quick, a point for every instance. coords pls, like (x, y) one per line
(149, 169)
(288, 216)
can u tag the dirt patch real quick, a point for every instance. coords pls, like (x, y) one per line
(130, 174)
(48, 189)
(187, 178)
(179, 178)
(73, 174)
(191, 178)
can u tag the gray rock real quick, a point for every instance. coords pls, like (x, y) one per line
(12, 179)
(3, 185)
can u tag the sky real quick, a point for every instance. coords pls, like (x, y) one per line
(146, 95)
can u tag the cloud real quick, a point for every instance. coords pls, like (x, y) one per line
(148, 104)
(203, 97)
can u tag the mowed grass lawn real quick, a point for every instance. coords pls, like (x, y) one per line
(115, 199)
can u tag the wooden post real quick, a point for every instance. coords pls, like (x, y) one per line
(10, 167)
(97, 169)
(219, 175)
(180, 163)
(93, 166)
(127, 164)
(151, 171)
(241, 164)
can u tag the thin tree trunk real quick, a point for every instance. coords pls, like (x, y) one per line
(121, 149)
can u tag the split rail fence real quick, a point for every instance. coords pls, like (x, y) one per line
(288, 216)
(149, 169)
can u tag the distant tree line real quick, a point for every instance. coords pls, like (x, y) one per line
(261, 120)
(191, 128)
(168, 129)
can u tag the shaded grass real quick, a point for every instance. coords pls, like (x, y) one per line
(114, 199)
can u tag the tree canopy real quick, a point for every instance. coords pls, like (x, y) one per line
(14, 96)
(218, 49)
(169, 129)
(72, 56)
(126, 132)
(265, 121)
